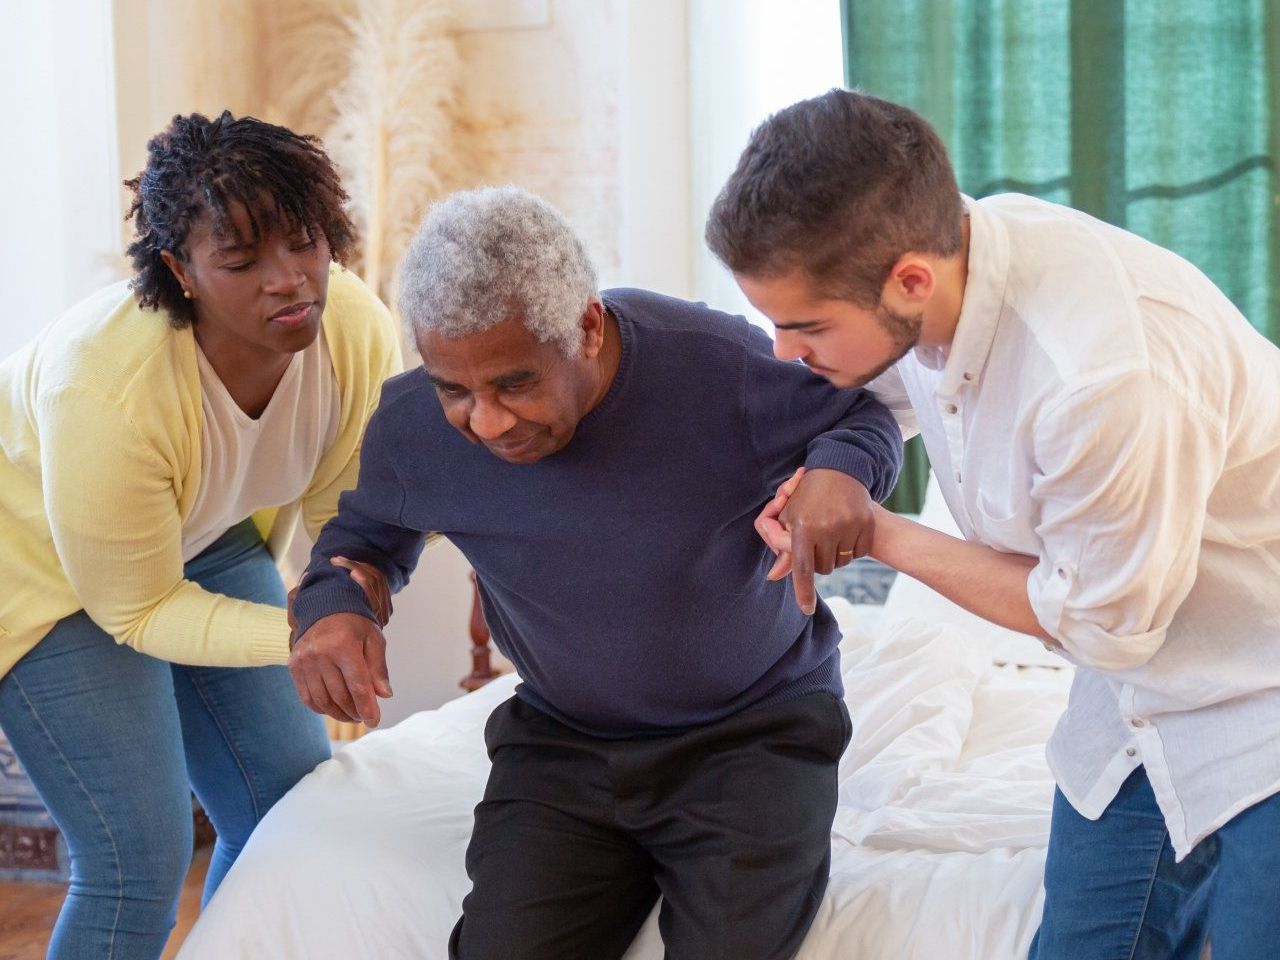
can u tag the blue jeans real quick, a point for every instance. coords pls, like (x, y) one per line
(1112, 889)
(114, 741)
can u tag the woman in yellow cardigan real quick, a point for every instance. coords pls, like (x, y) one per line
(157, 444)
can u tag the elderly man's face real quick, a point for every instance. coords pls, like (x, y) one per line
(503, 388)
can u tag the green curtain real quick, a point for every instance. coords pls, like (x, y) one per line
(1162, 118)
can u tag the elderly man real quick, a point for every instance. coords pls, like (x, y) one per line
(600, 460)
(1105, 427)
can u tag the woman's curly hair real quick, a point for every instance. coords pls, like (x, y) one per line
(200, 166)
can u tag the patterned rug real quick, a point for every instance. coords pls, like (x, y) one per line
(17, 795)
(31, 849)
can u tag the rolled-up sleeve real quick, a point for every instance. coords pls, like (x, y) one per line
(1125, 469)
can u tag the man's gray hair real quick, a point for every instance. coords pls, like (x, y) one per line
(485, 256)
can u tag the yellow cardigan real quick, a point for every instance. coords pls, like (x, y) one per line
(100, 427)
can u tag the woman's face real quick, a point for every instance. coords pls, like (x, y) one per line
(254, 297)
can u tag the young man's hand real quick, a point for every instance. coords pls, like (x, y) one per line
(818, 520)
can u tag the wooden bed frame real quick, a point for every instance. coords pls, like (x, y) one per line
(481, 656)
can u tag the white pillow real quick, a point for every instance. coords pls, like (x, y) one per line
(909, 597)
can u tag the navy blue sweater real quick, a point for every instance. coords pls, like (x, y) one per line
(622, 575)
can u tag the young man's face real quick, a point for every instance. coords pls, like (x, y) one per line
(503, 388)
(848, 344)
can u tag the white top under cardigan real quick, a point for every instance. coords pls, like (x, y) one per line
(1103, 407)
(249, 465)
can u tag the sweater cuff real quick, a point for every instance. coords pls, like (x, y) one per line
(849, 460)
(324, 597)
(269, 638)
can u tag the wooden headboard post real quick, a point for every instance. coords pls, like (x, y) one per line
(481, 665)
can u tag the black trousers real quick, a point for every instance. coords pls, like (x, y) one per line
(577, 836)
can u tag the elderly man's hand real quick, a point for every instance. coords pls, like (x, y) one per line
(819, 520)
(370, 580)
(339, 667)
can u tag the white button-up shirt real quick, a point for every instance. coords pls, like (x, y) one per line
(1103, 407)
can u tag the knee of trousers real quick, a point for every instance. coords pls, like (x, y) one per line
(145, 862)
(479, 943)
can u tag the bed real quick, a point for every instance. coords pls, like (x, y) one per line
(938, 844)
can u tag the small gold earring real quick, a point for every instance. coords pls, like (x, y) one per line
(186, 293)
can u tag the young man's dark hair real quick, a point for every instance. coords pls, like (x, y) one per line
(200, 165)
(840, 185)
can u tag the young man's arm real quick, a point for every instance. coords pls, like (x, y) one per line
(1125, 468)
(984, 581)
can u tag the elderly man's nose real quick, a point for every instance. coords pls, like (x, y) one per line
(490, 420)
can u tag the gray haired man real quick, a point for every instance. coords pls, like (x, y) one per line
(600, 459)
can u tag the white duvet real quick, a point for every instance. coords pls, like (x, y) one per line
(938, 844)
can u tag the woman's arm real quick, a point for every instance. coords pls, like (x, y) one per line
(113, 510)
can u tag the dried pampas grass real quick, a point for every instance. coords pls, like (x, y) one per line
(378, 79)
(309, 55)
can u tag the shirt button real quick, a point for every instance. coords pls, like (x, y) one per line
(1130, 752)
(957, 476)
(1137, 722)
(952, 409)
(968, 376)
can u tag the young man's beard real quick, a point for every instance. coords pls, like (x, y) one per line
(903, 329)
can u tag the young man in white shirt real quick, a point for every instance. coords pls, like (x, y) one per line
(1105, 428)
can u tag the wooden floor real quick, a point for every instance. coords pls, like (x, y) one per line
(28, 910)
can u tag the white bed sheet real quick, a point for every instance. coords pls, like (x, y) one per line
(938, 844)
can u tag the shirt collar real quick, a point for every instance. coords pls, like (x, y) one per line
(983, 303)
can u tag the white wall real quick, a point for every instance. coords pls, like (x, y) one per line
(747, 59)
(63, 202)
(654, 138)
(181, 56)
